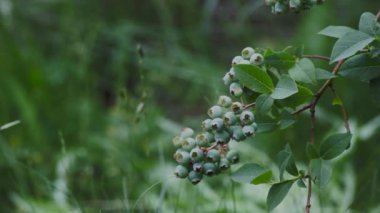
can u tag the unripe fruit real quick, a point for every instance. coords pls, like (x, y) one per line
(247, 52)
(257, 58)
(198, 167)
(233, 156)
(213, 155)
(224, 164)
(237, 60)
(206, 125)
(188, 144)
(244, 62)
(177, 141)
(237, 133)
(232, 74)
(224, 101)
(196, 154)
(294, 5)
(204, 139)
(254, 125)
(215, 111)
(222, 137)
(209, 169)
(227, 80)
(186, 132)
(236, 107)
(181, 171)
(229, 118)
(247, 117)
(217, 124)
(248, 130)
(182, 157)
(195, 177)
(236, 89)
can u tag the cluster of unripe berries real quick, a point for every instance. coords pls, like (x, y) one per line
(294, 6)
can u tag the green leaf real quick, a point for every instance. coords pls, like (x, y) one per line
(265, 177)
(312, 151)
(304, 71)
(322, 74)
(266, 126)
(374, 86)
(285, 87)
(334, 145)
(285, 162)
(280, 60)
(277, 193)
(254, 78)
(320, 171)
(361, 67)
(337, 101)
(303, 96)
(368, 24)
(349, 44)
(301, 184)
(249, 172)
(336, 31)
(287, 119)
(263, 104)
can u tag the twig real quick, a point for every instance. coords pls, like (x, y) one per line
(308, 202)
(249, 105)
(317, 57)
(378, 16)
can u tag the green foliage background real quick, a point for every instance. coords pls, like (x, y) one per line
(101, 87)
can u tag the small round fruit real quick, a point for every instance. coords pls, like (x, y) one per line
(248, 130)
(224, 164)
(224, 101)
(227, 80)
(247, 52)
(229, 118)
(236, 89)
(181, 171)
(257, 59)
(206, 125)
(209, 169)
(233, 156)
(198, 167)
(236, 107)
(217, 124)
(294, 5)
(196, 154)
(186, 132)
(237, 133)
(247, 117)
(177, 141)
(188, 144)
(215, 111)
(237, 60)
(204, 139)
(182, 157)
(279, 8)
(222, 137)
(195, 177)
(213, 155)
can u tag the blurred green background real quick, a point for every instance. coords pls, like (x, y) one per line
(101, 87)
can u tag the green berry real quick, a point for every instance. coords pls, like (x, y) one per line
(236, 89)
(209, 169)
(194, 177)
(257, 59)
(237, 133)
(182, 157)
(217, 124)
(236, 107)
(198, 167)
(247, 52)
(294, 5)
(186, 132)
(204, 139)
(237, 60)
(215, 111)
(206, 125)
(229, 118)
(254, 125)
(233, 156)
(213, 155)
(248, 130)
(224, 101)
(177, 141)
(181, 171)
(247, 117)
(196, 154)
(224, 164)
(188, 144)
(222, 137)
(227, 80)
(232, 74)
(279, 8)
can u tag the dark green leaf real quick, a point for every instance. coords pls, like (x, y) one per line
(368, 24)
(349, 44)
(320, 171)
(285, 87)
(285, 162)
(361, 67)
(263, 103)
(266, 126)
(336, 31)
(254, 78)
(303, 96)
(312, 151)
(322, 74)
(287, 119)
(248, 172)
(277, 193)
(304, 71)
(374, 86)
(334, 145)
(265, 177)
(280, 60)
(301, 184)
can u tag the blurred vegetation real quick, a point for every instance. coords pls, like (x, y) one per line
(100, 88)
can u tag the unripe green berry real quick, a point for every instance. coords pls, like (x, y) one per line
(233, 156)
(247, 117)
(254, 125)
(257, 59)
(181, 171)
(182, 157)
(237, 133)
(206, 125)
(229, 118)
(177, 141)
(237, 60)
(294, 5)
(204, 139)
(186, 132)
(224, 101)
(224, 164)
(227, 80)
(195, 177)
(248, 130)
(236, 107)
(215, 111)
(247, 52)
(217, 124)
(198, 167)
(232, 74)
(196, 154)
(222, 137)
(279, 8)
(213, 155)
(209, 169)
(236, 89)
(188, 144)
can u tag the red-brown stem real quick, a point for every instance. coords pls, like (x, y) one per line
(308, 202)
(249, 105)
(317, 57)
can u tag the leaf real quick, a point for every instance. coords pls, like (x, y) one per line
(334, 145)
(285, 87)
(254, 78)
(277, 193)
(279, 60)
(336, 31)
(248, 173)
(349, 44)
(263, 104)
(303, 96)
(320, 171)
(374, 86)
(301, 184)
(9, 125)
(266, 126)
(265, 177)
(322, 74)
(304, 71)
(337, 101)
(285, 162)
(361, 67)
(368, 24)
(312, 151)
(287, 119)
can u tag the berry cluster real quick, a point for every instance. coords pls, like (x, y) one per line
(294, 6)
(208, 152)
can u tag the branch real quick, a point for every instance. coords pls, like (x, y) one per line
(249, 105)
(317, 57)
(308, 202)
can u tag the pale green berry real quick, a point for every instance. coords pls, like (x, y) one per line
(233, 156)
(227, 80)
(177, 141)
(236, 89)
(247, 117)
(186, 132)
(237, 133)
(222, 137)
(194, 177)
(294, 5)
(213, 155)
(224, 164)
(248, 130)
(236, 107)
(237, 60)
(257, 59)
(279, 8)
(209, 169)
(229, 118)
(232, 74)
(224, 101)
(188, 144)
(198, 167)
(181, 171)
(182, 157)
(217, 124)
(215, 111)
(254, 125)
(206, 125)
(204, 139)
(196, 154)
(247, 52)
